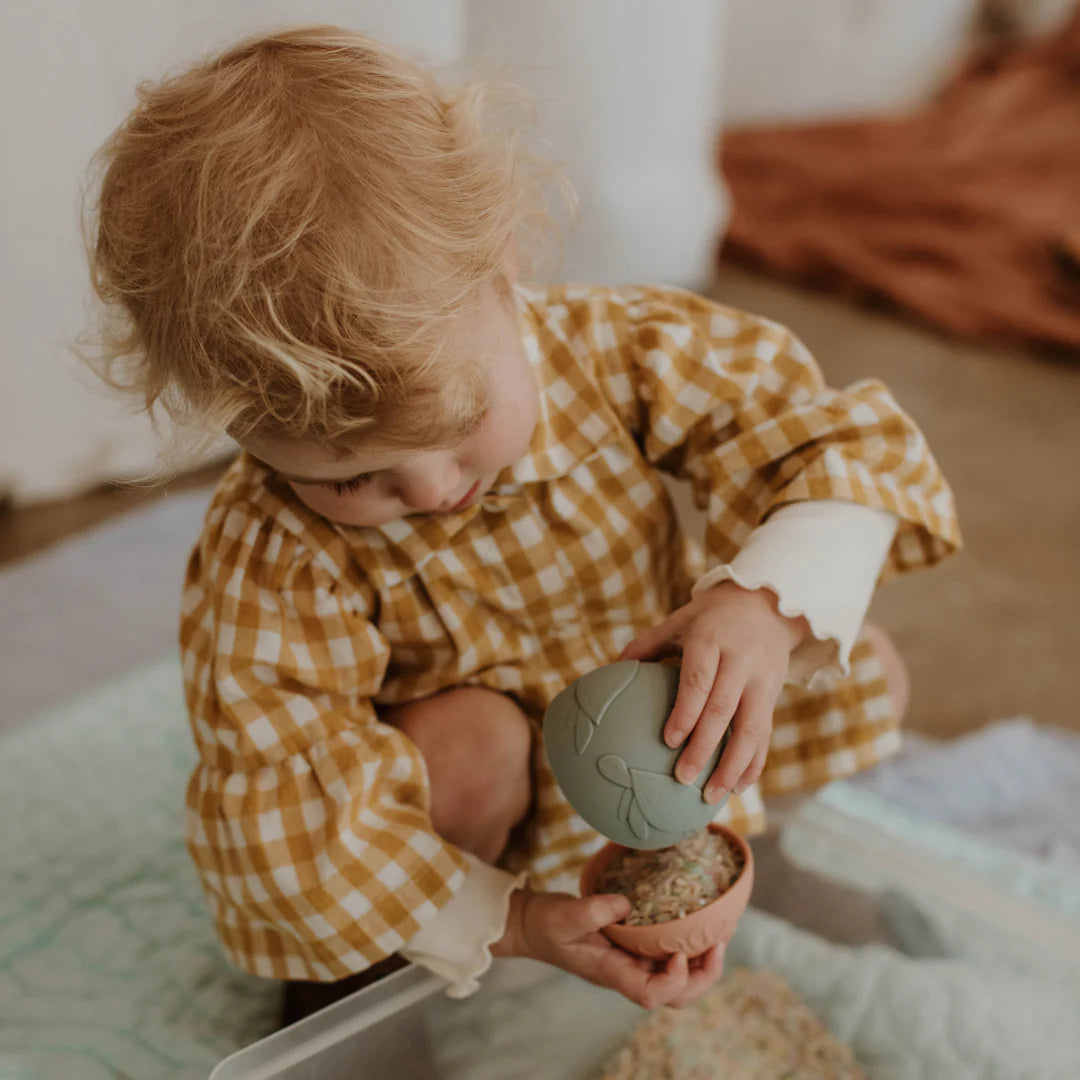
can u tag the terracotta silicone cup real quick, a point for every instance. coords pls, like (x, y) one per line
(692, 934)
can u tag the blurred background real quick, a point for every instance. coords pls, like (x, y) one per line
(895, 180)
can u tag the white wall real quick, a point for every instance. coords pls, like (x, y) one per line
(802, 59)
(629, 95)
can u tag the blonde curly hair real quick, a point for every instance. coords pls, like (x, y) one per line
(283, 233)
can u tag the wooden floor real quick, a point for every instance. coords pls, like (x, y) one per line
(993, 633)
(25, 531)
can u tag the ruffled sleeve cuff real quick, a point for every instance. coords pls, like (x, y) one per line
(456, 944)
(821, 559)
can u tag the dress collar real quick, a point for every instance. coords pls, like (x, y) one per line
(572, 423)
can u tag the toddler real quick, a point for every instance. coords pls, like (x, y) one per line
(449, 504)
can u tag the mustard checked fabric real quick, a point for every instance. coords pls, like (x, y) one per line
(307, 816)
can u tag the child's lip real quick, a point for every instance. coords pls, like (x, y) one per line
(468, 495)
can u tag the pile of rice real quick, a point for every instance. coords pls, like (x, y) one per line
(752, 1026)
(671, 882)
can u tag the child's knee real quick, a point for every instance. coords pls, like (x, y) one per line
(477, 745)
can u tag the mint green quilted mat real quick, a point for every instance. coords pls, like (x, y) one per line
(109, 965)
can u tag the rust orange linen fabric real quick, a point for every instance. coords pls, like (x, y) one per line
(966, 214)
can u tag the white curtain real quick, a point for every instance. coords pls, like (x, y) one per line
(629, 96)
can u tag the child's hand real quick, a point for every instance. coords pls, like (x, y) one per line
(564, 930)
(735, 648)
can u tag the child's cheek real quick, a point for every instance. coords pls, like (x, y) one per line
(496, 448)
(321, 500)
(504, 438)
(357, 508)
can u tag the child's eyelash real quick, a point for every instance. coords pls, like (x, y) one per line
(344, 487)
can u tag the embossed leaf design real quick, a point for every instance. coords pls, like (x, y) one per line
(636, 820)
(597, 690)
(583, 732)
(625, 800)
(657, 794)
(612, 767)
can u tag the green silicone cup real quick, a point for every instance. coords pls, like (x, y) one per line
(604, 738)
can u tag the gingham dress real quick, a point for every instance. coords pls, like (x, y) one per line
(307, 817)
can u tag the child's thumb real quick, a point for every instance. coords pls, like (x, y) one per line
(603, 911)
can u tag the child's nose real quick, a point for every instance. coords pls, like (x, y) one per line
(430, 487)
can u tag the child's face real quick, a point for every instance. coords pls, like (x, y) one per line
(375, 486)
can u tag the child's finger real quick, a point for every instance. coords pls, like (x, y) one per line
(619, 970)
(750, 729)
(716, 714)
(656, 640)
(635, 979)
(670, 984)
(754, 769)
(704, 972)
(697, 678)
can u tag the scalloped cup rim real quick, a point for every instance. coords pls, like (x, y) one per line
(694, 933)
